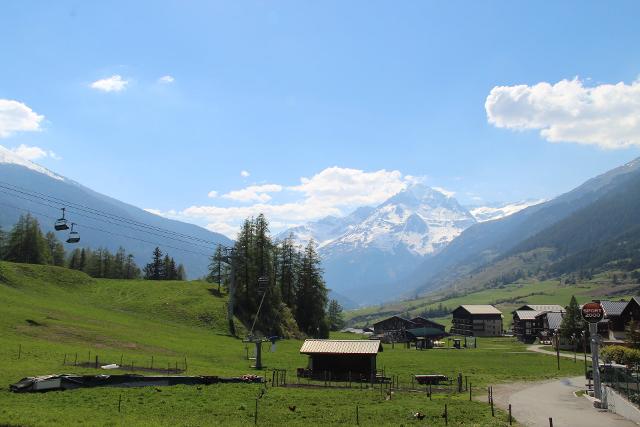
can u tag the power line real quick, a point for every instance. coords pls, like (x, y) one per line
(87, 209)
(108, 232)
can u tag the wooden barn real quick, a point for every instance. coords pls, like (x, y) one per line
(341, 359)
(477, 321)
(393, 329)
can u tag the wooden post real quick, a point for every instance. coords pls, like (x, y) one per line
(152, 362)
(550, 422)
(493, 412)
(466, 382)
(429, 390)
(349, 379)
(89, 357)
(255, 416)
(469, 392)
(510, 418)
(96, 361)
(176, 366)
(75, 360)
(119, 402)
(446, 415)
(357, 416)
(64, 362)
(185, 363)
(121, 356)
(19, 351)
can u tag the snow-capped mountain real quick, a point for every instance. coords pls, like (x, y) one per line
(363, 253)
(500, 210)
(9, 157)
(327, 229)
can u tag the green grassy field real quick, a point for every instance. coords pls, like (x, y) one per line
(48, 312)
(507, 298)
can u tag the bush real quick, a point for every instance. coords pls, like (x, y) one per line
(620, 354)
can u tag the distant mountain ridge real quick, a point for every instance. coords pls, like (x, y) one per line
(96, 230)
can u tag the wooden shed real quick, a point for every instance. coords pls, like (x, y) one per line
(342, 359)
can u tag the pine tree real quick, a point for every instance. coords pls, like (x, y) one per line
(155, 269)
(26, 243)
(131, 270)
(217, 267)
(312, 295)
(335, 315)
(572, 322)
(181, 273)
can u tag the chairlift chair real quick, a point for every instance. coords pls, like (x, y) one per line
(61, 223)
(74, 236)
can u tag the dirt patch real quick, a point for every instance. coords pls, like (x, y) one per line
(34, 323)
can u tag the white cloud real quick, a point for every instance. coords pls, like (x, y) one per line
(244, 174)
(114, 83)
(444, 191)
(253, 193)
(212, 194)
(607, 115)
(166, 79)
(17, 117)
(31, 152)
(333, 191)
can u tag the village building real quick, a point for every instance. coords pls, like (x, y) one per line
(341, 359)
(393, 329)
(528, 320)
(477, 321)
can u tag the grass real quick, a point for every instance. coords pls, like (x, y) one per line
(507, 298)
(48, 312)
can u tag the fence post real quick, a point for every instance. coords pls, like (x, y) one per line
(64, 362)
(255, 416)
(357, 416)
(550, 422)
(75, 360)
(119, 401)
(446, 415)
(151, 362)
(19, 351)
(510, 418)
(96, 361)
(469, 392)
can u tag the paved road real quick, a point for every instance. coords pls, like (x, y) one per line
(544, 350)
(533, 403)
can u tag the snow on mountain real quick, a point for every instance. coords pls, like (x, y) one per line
(418, 219)
(327, 229)
(497, 211)
(9, 157)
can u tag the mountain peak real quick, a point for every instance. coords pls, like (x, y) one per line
(9, 157)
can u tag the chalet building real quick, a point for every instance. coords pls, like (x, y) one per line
(617, 315)
(528, 320)
(393, 329)
(477, 321)
(550, 322)
(341, 359)
(426, 323)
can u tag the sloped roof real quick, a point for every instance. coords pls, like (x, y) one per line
(422, 320)
(553, 319)
(613, 308)
(554, 308)
(527, 314)
(481, 309)
(341, 347)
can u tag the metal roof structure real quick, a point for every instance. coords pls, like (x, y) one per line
(481, 309)
(426, 332)
(528, 314)
(554, 319)
(613, 308)
(314, 346)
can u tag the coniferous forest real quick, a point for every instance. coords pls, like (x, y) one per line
(295, 295)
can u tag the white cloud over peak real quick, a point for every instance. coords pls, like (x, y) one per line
(166, 79)
(606, 115)
(114, 83)
(253, 193)
(244, 174)
(444, 191)
(31, 152)
(16, 116)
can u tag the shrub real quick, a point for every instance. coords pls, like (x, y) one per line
(620, 354)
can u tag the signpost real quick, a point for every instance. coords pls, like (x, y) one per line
(593, 312)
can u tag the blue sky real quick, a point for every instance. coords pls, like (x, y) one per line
(361, 98)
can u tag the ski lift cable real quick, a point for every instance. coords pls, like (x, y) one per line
(88, 209)
(107, 232)
(103, 220)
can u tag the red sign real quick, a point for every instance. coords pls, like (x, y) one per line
(592, 312)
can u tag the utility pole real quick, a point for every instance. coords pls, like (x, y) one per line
(229, 258)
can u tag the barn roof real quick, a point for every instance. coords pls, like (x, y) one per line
(613, 308)
(554, 320)
(481, 309)
(527, 314)
(427, 332)
(341, 347)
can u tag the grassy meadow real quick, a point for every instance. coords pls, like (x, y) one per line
(48, 312)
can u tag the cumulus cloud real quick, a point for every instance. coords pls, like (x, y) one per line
(114, 83)
(31, 152)
(606, 115)
(244, 174)
(444, 191)
(212, 194)
(253, 193)
(333, 191)
(16, 116)
(166, 79)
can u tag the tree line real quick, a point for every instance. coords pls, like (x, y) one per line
(291, 282)
(26, 243)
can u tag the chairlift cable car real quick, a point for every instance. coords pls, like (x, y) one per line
(61, 223)
(74, 236)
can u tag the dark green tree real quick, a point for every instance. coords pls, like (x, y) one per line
(217, 268)
(572, 323)
(26, 242)
(155, 269)
(312, 295)
(335, 315)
